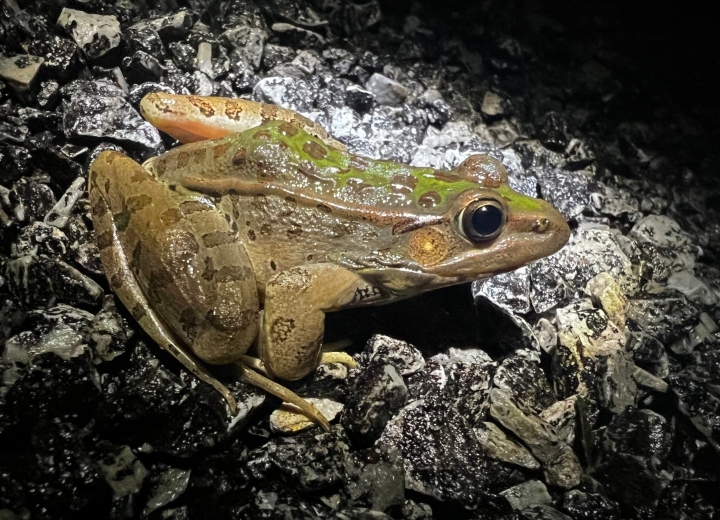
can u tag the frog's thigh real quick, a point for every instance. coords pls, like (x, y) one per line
(124, 284)
(296, 301)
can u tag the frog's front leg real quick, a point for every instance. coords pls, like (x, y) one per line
(296, 301)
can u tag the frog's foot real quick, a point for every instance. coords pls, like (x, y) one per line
(338, 357)
(251, 377)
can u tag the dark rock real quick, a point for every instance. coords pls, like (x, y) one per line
(146, 39)
(375, 392)
(97, 111)
(291, 93)
(298, 36)
(342, 61)
(589, 506)
(373, 479)
(170, 27)
(137, 92)
(166, 485)
(15, 161)
(311, 461)
(521, 375)
(404, 357)
(183, 55)
(249, 42)
(148, 404)
(62, 60)
(274, 55)
(95, 34)
(359, 99)
(442, 457)
(48, 473)
(125, 475)
(32, 199)
(141, 67)
(633, 468)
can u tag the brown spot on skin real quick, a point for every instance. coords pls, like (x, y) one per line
(122, 219)
(314, 150)
(403, 183)
(138, 202)
(189, 323)
(259, 202)
(161, 277)
(218, 238)
(428, 246)
(324, 208)
(273, 265)
(105, 240)
(183, 158)
(184, 245)
(281, 329)
(107, 185)
(233, 273)
(99, 207)
(220, 150)
(233, 109)
(138, 175)
(138, 312)
(193, 206)
(160, 168)
(116, 281)
(137, 255)
(266, 229)
(171, 216)
(294, 232)
(199, 155)
(288, 129)
(209, 272)
(262, 135)
(205, 108)
(484, 170)
(309, 257)
(429, 199)
(251, 235)
(446, 176)
(240, 157)
(269, 112)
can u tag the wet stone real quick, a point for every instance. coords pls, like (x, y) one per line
(146, 39)
(500, 447)
(298, 36)
(166, 485)
(521, 375)
(95, 34)
(561, 466)
(312, 460)
(373, 479)
(359, 99)
(170, 27)
(582, 505)
(141, 67)
(528, 494)
(632, 467)
(183, 55)
(147, 404)
(61, 56)
(441, 454)
(403, 356)
(376, 392)
(21, 72)
(249, 42)
(97, 111)
(385, 90)
(291, 93)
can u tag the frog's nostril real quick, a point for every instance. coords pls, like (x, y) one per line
(541, 225)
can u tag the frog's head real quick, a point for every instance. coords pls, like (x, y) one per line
(484, 230)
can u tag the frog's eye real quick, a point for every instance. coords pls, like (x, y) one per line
(482, 220)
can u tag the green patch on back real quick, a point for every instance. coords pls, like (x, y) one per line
(336, 164)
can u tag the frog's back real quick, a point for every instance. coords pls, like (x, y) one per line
(279, 156)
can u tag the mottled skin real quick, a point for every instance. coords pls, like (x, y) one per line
(196, 242)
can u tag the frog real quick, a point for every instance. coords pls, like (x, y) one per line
(245, 236)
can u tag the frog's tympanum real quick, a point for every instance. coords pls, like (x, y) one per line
(263, 223)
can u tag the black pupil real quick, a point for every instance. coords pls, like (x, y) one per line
(486, 220)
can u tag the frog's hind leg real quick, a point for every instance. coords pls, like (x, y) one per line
(124, 284)
(251, 377)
